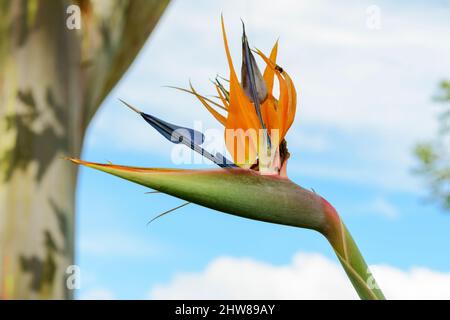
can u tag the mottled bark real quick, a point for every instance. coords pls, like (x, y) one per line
(52, 81)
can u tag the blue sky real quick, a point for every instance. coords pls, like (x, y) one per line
(364, 101)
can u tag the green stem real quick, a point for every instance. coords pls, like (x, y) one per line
(350, 257)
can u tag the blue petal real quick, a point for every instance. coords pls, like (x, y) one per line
(174, 133)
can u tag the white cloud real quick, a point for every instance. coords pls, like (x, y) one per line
(97, 294)
(309, 141)
(308, 276)
(382, 206)
(379, 205)
(359, 173)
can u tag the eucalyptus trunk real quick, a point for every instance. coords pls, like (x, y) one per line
(53, 78)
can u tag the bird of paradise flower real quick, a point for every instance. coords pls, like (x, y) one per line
(254, 184)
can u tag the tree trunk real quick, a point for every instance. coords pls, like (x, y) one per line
(52, 80)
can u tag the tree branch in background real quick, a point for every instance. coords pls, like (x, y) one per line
(434, 156)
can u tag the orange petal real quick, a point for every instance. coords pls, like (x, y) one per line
(242, 145)
(292, 104)
(268, 72)
(283, 102)
(241, 118)
(270, 114)
(268, 109)
(227, 51)
(287, 104)
(215, 114)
